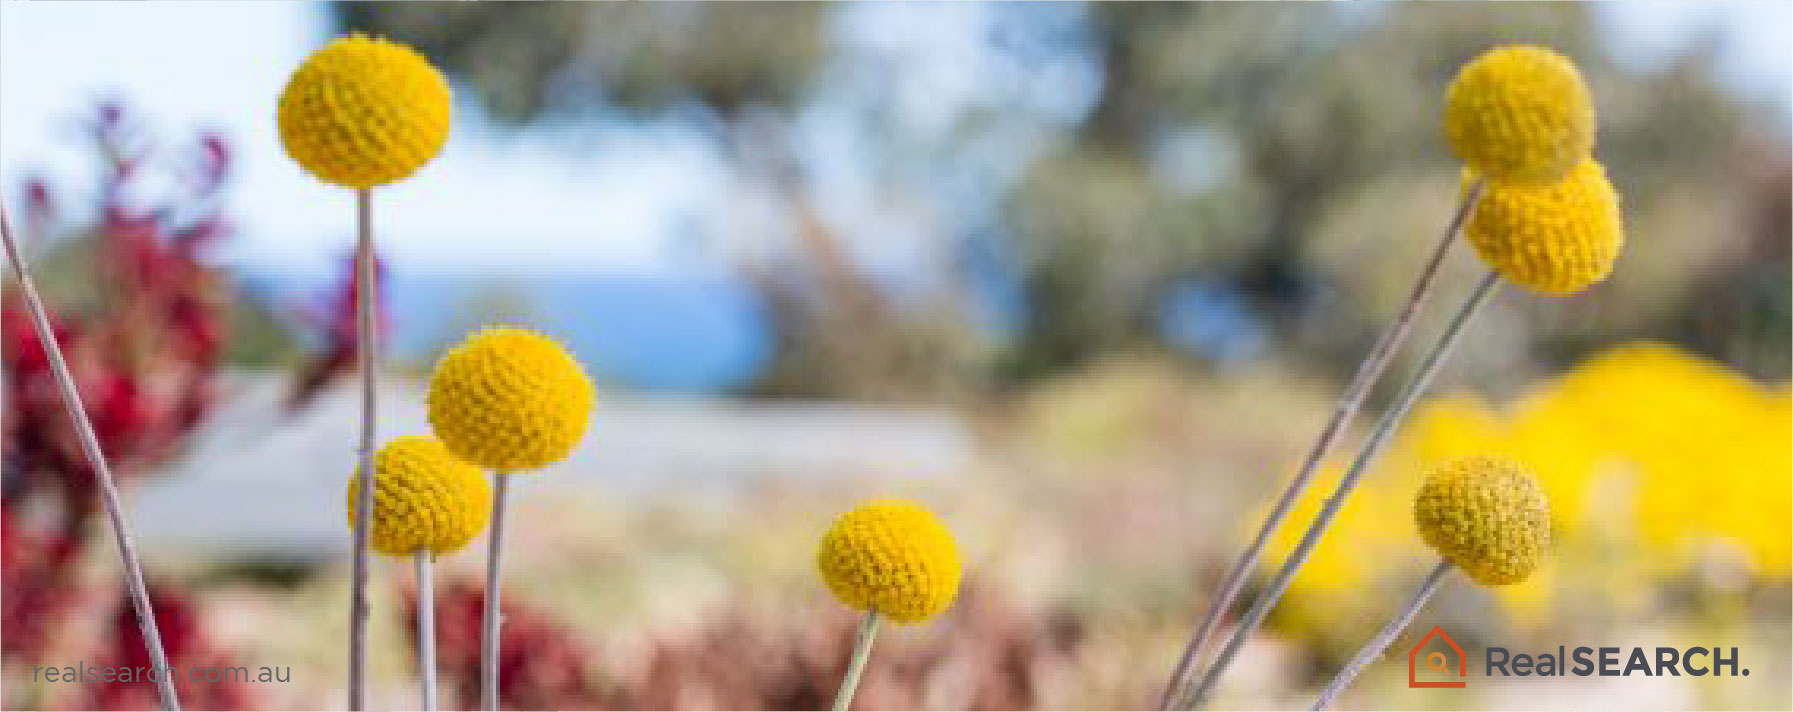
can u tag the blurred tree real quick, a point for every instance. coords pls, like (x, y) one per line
(1283, 157)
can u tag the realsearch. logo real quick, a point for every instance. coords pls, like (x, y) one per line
(1580, 661)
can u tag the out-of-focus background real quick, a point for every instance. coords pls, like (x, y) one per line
(1084, 279)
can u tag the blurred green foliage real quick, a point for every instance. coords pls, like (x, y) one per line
(1286, 156)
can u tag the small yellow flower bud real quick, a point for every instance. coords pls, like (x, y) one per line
(424, 499)
(1487, 515)
(510, 399)
(1557, 239)
(364, 111)
(892, 557)
(1520, 114)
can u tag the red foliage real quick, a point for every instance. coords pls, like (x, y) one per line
(188, 650)
(145, 359)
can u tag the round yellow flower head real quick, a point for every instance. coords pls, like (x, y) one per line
(425, 499)
(1555, 239)
(1520, 114)
(364, 111)
(510, 399)
(1487, 515)
(893, 557)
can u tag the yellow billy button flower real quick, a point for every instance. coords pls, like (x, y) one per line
(1489, 516)
(1520, 114)
(1558, 238)
(893, 558)
(425, 499)
(510, 399)
(364, 111)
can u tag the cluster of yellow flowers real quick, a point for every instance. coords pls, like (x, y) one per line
(1521, 119)
(363, 112)
(505, 399)
(1653, 460)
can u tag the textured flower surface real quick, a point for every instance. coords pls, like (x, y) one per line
(364, 111)
(893, 557)
(425, 499)
(1487, 515)
(1520, 114)
(510, 399)
(1556, 239)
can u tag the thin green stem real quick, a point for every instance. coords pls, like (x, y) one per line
(364, 476)
(90, 446)
(862, 652)
(488, 658)
(1377, 645)
(1350, 401)
(426, 628)
(1385, 428)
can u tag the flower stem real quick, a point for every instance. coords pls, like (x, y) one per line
(488, 658)
(1374, 649)
(1372, 448)
(426, 629)
(1368, 374)
(862, 652)
(364, 476)
(90, 446)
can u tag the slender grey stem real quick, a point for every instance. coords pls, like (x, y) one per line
(365, 299)
(426, 628)
(1377, 645)
(90, 446)
(862, 652)
(1368, 374)
(488, 658)
(1371, 449)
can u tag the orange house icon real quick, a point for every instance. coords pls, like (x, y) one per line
(1437, 661)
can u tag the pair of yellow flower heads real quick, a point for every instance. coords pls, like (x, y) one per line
(363, 112)
(506, 399)
(1522, 120)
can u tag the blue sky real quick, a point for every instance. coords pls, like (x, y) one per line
(490, 203)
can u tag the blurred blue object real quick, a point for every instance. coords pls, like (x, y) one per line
(1211, 321)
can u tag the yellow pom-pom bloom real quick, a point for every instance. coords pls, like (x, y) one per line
(510, 399)
(1489, 516)
(1555, 239)
(1520, 114)
(892, 557)
(363, 111)
(425, 499)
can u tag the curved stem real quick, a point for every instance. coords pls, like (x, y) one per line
(90, 446)
(1374, 649)
(426, 629)
(364, 499)
(862, 652)
(1371, 449)
(1368, 374)
(488, 657)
